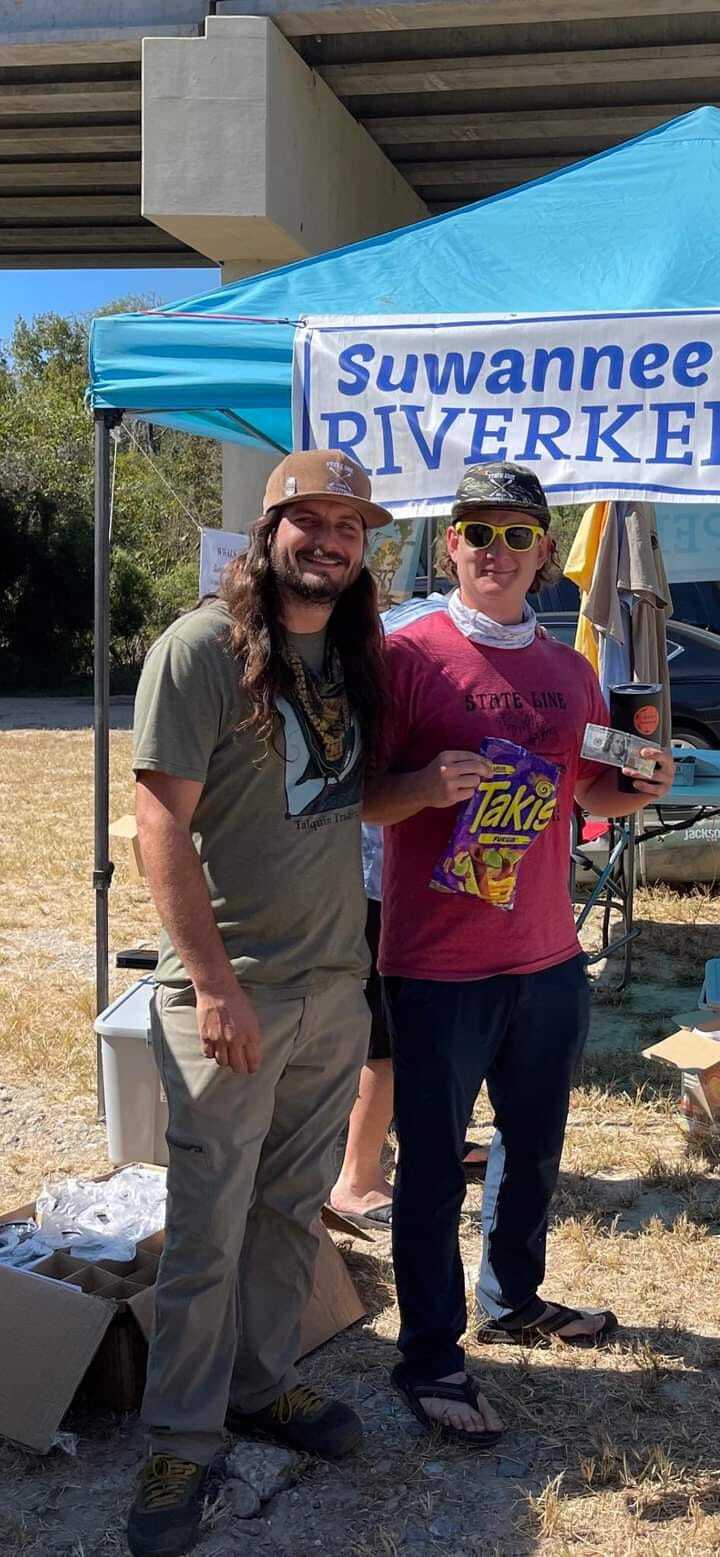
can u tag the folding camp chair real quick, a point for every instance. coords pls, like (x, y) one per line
(613, 887)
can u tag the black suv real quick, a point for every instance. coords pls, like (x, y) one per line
(694, 660)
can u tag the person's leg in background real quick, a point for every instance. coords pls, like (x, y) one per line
(361, 1188)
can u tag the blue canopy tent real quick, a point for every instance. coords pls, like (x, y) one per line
(634, 228)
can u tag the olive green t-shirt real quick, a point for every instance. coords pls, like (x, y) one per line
(278, 833)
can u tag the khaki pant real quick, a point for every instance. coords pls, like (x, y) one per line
(250, 1164)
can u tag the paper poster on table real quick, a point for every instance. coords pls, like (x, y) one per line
(217, 549)
(601, 405)
(393, 555)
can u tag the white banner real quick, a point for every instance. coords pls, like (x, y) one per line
(600, 405)
(217, 549)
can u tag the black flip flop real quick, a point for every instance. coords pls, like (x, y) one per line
(413, 1393)
(542, 1327)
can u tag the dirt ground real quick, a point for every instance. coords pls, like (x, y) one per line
(613, 1453)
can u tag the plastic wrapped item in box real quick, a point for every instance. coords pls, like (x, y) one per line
(21, 1244)
(95, 1220)
(103, 1219)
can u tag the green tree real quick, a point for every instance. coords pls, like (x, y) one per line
(166, 484)
(565, 521)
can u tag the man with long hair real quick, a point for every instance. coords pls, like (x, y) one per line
(474, 992)
(256, 723)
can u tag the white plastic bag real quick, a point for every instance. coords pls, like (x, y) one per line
(103, 1221)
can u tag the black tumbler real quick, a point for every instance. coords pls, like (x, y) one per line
(636, 708)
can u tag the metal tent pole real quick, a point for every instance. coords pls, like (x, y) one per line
(102, 872)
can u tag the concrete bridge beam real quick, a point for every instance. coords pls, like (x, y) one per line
(249, 158)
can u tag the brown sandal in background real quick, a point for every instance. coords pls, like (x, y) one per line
(536, 1326)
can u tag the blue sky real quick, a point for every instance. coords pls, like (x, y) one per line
(30, 292)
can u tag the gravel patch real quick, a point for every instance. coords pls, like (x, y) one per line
(58, 951)
(60, 713)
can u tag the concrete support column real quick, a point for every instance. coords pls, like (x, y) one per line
(244, 478)
(244, 471)
(249, 158)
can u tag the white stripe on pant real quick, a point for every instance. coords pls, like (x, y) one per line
(251, 1163)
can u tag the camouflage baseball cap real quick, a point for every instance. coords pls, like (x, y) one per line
(502, 486)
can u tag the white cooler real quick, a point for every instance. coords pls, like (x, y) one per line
(135, 1104)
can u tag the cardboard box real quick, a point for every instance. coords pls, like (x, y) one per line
(697, 1057)
(68, 1328)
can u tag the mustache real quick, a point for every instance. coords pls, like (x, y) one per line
(290, 574)
(320, 554)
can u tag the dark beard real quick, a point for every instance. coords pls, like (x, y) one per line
(318, 590)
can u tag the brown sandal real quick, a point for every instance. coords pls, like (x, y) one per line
(536, 1325)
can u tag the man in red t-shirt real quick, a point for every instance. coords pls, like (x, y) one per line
(474, 993)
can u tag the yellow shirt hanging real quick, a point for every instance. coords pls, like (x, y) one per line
(580, 567)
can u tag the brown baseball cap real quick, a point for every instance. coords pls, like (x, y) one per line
(324, 473)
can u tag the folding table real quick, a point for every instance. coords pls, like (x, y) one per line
(614, 882)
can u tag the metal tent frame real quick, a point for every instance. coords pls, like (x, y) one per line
(102, 867)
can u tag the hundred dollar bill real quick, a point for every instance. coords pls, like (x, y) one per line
(617, 748)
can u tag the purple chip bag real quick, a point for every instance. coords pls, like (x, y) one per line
(498, 825)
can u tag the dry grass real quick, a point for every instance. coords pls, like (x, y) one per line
(47, 923)
(627, 1438)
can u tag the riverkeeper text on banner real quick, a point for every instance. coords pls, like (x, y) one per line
(606, 405)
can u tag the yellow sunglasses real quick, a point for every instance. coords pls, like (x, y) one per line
(480, 535)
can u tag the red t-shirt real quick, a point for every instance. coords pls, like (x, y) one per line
(447, 694)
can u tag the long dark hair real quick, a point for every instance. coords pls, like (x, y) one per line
(250, 591)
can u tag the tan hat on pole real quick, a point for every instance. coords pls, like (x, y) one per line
(324, 473)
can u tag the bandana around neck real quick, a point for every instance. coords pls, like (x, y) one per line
(493, 635)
